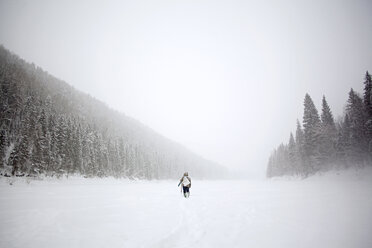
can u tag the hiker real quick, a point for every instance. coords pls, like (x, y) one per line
(186, 184)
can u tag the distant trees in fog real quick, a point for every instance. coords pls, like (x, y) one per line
(48, 127)
(321, 144)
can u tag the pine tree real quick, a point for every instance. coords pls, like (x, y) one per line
(98, 151)
(311, 124)
(358, 140)
(4, 133)
(122, 157)
(292, 155)
(367, 100)
(130, 161)
(4, 143)
(299, 149)
(328, 136)
(270, 166)
(40, 156)
(85, 150)
(53, 145)
(326, 116)
(78, 152)
(20, 157)
(37, 155)
(283, 160)
(69, 147)
(61, 145)
(368, 95)
(343, 146)
(75, 151)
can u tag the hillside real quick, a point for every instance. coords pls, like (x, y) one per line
(48, 127)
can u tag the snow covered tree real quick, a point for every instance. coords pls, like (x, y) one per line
(76, 151)
(20, 156)
(53, 159)
(4, 144)
(367, 99)
(299, 149)
(343, 146)
(61, 141)
(358, 132)
(311, 124)
(328, 136)
(270, 166)
(292, 155)
(326, 116)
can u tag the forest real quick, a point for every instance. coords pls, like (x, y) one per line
(49, 128)
(322, 144)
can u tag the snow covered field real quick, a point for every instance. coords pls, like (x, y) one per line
(317, 212)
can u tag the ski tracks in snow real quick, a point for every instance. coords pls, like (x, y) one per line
(190, 228)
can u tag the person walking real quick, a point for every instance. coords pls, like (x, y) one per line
(185, 181)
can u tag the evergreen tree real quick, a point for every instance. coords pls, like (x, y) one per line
(122, 157)
(270, 166)
(367, 100)
(368, 94)
(326, 116)
(311, 124)
(69, 147)
(85, 141)
(292, 155)
(4, 143)
(76, 150)
(37, 155)
(299, 149)
(328, 135)
(40, 153)
(53, 145)
(20, 157)
(358, 132)
(61, 135)
(343, 146)
(283, 160)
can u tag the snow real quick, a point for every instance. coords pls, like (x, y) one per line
(332, 210)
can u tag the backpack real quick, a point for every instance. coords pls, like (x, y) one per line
(185, 181)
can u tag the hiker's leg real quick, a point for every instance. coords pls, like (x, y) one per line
(188, 191)
(184, 191)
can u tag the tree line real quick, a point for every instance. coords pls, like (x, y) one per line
(321, 143)
(47, 127)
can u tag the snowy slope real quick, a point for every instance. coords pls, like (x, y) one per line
(76, 212)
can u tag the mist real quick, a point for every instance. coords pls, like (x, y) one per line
(185, 123)
(226, 79)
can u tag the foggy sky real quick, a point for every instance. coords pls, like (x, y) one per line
(224, 78)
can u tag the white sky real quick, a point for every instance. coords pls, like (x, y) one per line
(224, 78)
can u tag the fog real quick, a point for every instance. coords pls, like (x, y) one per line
(226, 79)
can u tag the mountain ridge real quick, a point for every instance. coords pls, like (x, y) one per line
(31, 89)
